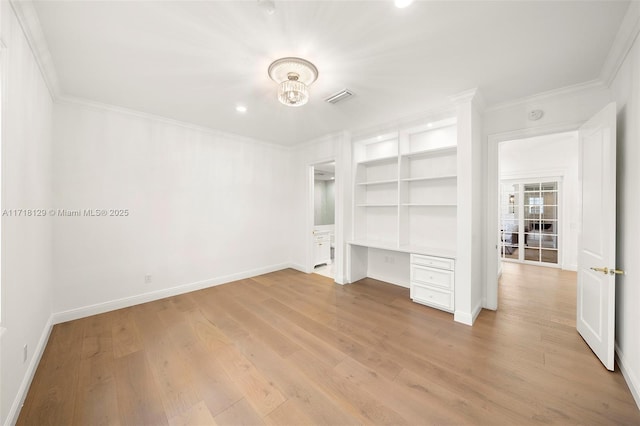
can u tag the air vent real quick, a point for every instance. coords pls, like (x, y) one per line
(340, 96)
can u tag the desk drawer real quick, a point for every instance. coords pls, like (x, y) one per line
(431, 261)
(440, 299)
(432, 277)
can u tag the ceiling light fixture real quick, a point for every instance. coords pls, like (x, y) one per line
(241, 108)
(294, 76)
(401, 4)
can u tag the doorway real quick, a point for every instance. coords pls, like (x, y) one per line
(324, 219)
(538, 200)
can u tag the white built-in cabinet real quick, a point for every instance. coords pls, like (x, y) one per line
(321, 248)
(405, 201)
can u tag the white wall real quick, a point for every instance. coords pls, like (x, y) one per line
(26, 241)
(324, 203)
(544, 156)
(626, 93)
(470, 211)
(204, 208)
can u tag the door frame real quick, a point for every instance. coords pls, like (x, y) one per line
(311, 213)
(492, 247)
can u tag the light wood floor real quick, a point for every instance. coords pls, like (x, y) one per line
(291, 349)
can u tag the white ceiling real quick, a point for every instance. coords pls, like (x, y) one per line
(195, 61)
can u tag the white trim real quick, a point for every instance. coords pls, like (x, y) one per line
(99, 308)
(626, 36)
(629, 376)
(467, 318)
(491, 209)
(472, 95)
(28, 19)
(73, 101)
(18, 402)
(539, 97)
(298, 267)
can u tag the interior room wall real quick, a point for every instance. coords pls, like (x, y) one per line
(551, 155)
(626, 93)
(324, 202)
(26, 241)
(200, 208)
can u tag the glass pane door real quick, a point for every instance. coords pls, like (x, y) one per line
(530, 221)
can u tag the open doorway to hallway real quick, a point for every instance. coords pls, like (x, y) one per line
(539, 200)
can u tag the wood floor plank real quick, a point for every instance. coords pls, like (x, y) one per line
(139, 401)
(287, 348)
(125, 335)
(308, 395)
(239, 414)
(349, 396)
(197, 415)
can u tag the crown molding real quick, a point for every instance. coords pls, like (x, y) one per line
(81, 102)
(626, 36)
(539, 97)
(472, 95)
(27, 16)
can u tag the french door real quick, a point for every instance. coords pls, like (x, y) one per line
(529, 221)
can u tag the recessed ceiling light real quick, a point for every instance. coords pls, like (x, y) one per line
(401, 4)
(241, 108)
(429, 125)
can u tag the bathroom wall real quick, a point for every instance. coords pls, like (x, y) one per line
(324, 202)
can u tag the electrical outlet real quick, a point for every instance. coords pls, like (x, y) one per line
(25, 352)
(147, 279)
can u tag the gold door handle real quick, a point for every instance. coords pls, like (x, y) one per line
(606, 270)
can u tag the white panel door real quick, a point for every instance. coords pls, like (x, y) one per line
(597, 241)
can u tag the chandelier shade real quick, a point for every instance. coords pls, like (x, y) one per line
(293, 75)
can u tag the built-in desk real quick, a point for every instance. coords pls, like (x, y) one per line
(429, 273)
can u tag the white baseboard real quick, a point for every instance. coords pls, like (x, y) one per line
(629, 375)
(466, 317)
(298, 267)
(14, 412)
(112, 305)
(570, 267)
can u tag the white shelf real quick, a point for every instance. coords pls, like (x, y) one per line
(378, 205)
(427, 205)
(417, 179)
(379, 160)
(432, 152)
(378, 182)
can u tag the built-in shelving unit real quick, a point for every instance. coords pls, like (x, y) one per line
(405, 198)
